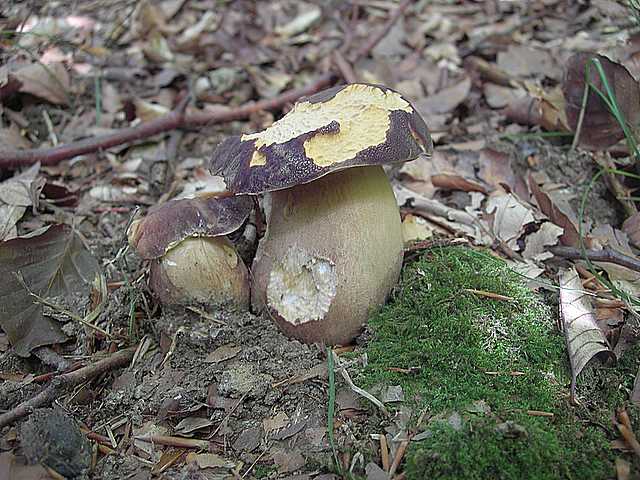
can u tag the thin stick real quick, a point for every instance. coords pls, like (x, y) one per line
(179, 119)
(371, 43)
(179, 442)
(583, 108)
(398, 458)
(384, 452)
(66, 381)
(629, 437)
(606, 255)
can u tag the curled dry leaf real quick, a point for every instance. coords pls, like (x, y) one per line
(16, 194)
(495, 169)
(540, 107)
(508, 217)
(51, 264)
(560, 213)
(585, 341)
(600, 129)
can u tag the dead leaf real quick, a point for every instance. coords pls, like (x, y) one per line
(585, 341)
(600, 129)
(622, 277)
(537, 242)
(631, 227)
(447, 99)
(11, 137)
(276, 422)
(288, 460)
(415, 228)
(52, 263)
(525, 61)
(222, 353)
(308, 16)
(49, 82)
(509, 216)
(560, 213)
(18, 189)
(12, 468)
(191, 424)
(495, 170)
(209, 460)
(498, 96)
(449, 181)
(10, 215)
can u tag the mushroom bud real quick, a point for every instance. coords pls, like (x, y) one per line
(333, 247)
(191, 258)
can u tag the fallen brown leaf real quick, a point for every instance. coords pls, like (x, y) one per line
(599, 128)
(585, 341)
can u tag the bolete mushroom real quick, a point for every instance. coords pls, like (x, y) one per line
(333, 247)
(192, 260)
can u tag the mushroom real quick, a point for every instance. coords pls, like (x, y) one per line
(192, 260)
(333, 247)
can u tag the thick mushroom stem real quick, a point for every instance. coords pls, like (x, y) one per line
(331, 254)
(201, 269)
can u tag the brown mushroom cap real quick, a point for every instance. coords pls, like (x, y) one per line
(347, 126)
(168, 224)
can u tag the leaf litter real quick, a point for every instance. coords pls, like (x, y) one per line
(484, 78)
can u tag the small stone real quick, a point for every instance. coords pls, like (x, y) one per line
(53, 438)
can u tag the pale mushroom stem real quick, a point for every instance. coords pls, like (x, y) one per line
(331, 254)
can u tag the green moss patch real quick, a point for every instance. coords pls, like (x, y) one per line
(464, 331)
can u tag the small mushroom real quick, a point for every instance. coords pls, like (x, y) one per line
(333, 247)
(192, 260)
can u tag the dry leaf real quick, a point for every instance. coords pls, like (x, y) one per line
(585, 341)
(53, 263)
(49, 82)
(447, 99)
(509, 216)
(524, 61)
(12, 468)
(559, 212)
(209, 460)
(223, 353)
(415, 228)
(498, 96)
(600, 129)
(495, 170)
(450, 181)
(191, 424)
(631, 227)
(537, 242)
(309, 15)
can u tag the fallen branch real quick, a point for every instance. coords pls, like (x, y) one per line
(606, 255)
(66, 381)
(179, 119)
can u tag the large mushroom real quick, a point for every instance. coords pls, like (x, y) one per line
(333, 247)
(192, 260)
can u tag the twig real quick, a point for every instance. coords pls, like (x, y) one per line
(64, 382)
(583, 109)
(344, 67)
(375, 39)
(345, 375)
(179, 442)
(398, 458)
(179, 119)
(384, 452)
(607, 255)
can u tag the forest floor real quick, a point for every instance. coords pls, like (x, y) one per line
(509, 348)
